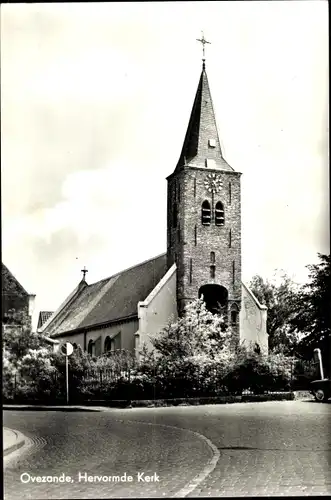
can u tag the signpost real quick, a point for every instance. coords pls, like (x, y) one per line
(67, 349)
(318, 360)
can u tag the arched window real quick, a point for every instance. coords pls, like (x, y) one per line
(230, 193)
(234, 314)
(219, 214)
(90, 347)
(107, 346)
(212, 257)
(205, 213)
(174, 215)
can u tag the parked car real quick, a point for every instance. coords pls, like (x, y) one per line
(321, 389)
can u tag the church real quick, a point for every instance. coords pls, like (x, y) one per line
(203, 258)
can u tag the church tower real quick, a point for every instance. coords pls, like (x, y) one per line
(204, 216)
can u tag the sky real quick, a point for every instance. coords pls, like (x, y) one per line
(95, 102)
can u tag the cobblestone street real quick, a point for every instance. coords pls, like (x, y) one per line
(278, 448)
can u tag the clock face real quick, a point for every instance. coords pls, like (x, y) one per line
(213, 183)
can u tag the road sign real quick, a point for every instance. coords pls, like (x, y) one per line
(67, 349)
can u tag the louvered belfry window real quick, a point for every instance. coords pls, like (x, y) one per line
(205, 213)
(219, 214)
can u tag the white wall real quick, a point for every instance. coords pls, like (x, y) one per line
(159, 307)
(127, 329)
(253, 320)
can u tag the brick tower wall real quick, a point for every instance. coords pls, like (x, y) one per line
(190, 243)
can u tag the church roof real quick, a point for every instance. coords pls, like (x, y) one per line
(202, 142)
(109, 300)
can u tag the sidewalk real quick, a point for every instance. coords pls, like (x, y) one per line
(12, 440)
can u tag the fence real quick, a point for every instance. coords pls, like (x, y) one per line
(200, 381)
(118, 376)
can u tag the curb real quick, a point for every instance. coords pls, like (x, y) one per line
(20, 441)
(49, 408)
(104, 405)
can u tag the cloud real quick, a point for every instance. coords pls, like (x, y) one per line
(95, 103)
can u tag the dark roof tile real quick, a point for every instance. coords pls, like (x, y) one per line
(110, 299)
(43, 317)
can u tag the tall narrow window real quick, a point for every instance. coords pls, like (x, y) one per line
(212, 257)
(178, 193)
(108, 343)
(195, 235)
(190, 270)
(233, 271)
(174, 215)
(234, 314)
(205, 213)
(219, 214)
(234, 317)
(230, 238)
(195, 187)
(90, 347)
(212, 271)
(230, 193)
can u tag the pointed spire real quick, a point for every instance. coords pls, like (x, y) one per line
(201, 141)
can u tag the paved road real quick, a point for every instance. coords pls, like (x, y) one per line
(278, 448)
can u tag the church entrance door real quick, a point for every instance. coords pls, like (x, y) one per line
(216, 298)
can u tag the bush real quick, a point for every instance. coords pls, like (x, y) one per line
(258, 373)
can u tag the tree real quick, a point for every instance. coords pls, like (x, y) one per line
(313, 316)
(18, 338)
(281, 300)
(190, 355)
(197, 333)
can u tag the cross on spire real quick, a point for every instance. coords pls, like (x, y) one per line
(203, 41)
(84, 271)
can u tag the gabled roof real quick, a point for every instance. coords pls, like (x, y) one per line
(43, 317)
(202, 128)
(109, 300)
(10, 285)
(249, 291)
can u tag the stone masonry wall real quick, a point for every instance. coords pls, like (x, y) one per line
(191, 242)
